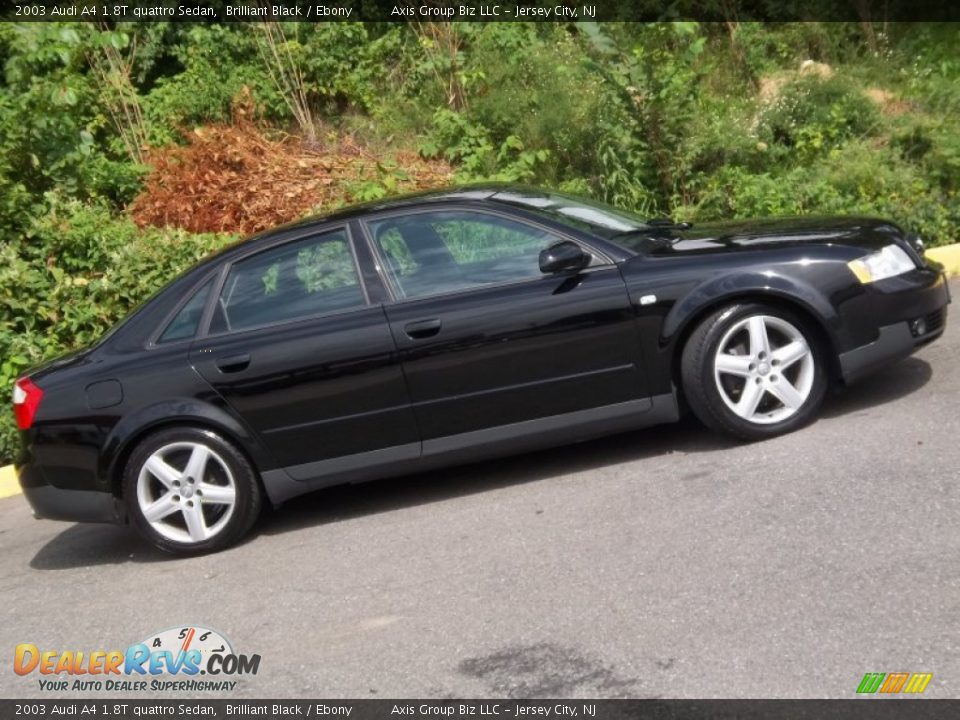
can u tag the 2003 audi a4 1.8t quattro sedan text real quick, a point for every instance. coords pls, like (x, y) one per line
(452, 326)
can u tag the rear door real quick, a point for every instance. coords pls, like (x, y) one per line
(295, 348)
(487, 340)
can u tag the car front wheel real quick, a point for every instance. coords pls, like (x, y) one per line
(753, 371)
(188, 491)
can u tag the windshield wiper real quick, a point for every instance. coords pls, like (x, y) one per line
(654, 229)
(668, 224)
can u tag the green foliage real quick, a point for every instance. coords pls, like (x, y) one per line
(326, 266)
(54, 133)
(811, 115)
(340, 64)
(654, 73)
(80, 272)
(532, 92)
(216, 63)
(927, 64)
(767, 49)
(470, 146)
(860, 179)
(389, 178)
(934, 150)
(531, 110)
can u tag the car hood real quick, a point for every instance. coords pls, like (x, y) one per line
(866, 233)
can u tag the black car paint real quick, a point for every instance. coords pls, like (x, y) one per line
(353, 395)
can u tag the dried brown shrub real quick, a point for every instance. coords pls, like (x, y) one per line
(236, 178)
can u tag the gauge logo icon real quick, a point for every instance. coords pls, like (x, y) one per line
(183, 639)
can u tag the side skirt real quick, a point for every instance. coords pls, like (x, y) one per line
(286, 483)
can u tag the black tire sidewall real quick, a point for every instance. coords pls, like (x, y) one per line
(712, 404)
(248, 495)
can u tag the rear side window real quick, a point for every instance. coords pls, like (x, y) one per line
(303, 279)
(184, 325)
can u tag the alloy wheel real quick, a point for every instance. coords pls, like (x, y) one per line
(764, 369)
(186, 492)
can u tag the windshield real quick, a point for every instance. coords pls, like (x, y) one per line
(595, 217)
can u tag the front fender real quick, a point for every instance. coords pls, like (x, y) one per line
(178, 411)
(730, 286)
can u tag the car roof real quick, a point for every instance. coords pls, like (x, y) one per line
(477, 193)
(460, 193)
(397, 202)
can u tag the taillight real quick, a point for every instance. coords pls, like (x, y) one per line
(26, 400)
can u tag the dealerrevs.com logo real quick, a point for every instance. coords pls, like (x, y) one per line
(168, 661)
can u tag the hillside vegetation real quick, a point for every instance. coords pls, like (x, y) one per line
(126, 154)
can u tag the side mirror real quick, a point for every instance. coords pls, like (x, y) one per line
(563, 256)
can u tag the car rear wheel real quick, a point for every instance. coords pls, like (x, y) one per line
(189, 491)
(753, 371)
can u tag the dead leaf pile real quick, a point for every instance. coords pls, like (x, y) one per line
(237, 178)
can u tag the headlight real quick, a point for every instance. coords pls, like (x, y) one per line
(888, 262)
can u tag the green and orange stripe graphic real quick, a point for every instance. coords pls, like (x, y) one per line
(892, 683)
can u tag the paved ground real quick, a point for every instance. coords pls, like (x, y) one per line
(666, 562)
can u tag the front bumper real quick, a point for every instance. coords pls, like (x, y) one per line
(53, 503)
(922, 320)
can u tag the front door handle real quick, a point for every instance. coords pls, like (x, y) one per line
(233, 363)
(422, 329)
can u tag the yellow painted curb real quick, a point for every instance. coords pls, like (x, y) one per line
(8, 482)
(949, 256)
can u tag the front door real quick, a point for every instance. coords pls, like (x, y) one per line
(488, 341)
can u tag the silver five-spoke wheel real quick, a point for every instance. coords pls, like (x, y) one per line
(764, 369)
(186, 492)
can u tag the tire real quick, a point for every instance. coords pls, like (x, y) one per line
(753, 371)
(188, 491)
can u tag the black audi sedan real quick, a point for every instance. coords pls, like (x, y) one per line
(450, 326)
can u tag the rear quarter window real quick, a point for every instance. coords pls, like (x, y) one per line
(187, 321)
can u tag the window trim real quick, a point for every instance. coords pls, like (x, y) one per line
(203, 331)
(380, 263)
(153, 341)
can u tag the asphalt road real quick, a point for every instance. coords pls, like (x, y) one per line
(663, 563)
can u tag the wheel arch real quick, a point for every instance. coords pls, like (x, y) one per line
(133, 429)
(814, 320)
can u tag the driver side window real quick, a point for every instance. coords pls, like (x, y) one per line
(444, 251)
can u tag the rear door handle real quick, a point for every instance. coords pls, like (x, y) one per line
(422, 329)
(233, 363)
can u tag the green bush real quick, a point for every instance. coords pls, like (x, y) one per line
(54, 131)
(767, 48)
(860, 179)
(532, 111)
(340, 65)
(935, 151)
(812, 115)
(81, 271)
(216, 63)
